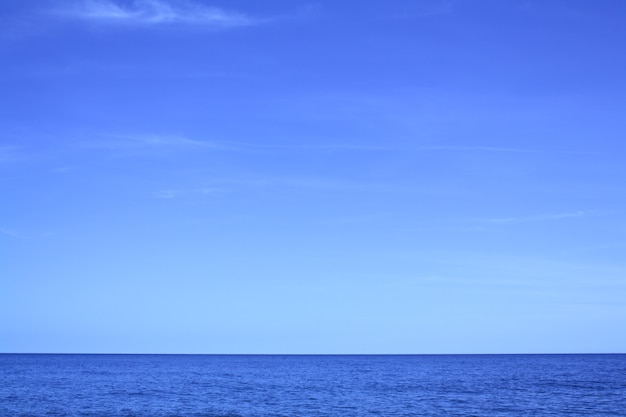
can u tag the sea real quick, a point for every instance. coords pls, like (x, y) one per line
(312, 385)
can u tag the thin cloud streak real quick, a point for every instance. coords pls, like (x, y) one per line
(126, 142)
(169, 194)
(123, 141)
(453, 148)
(476, 149)
(426, 9)
(156, 12)
(13, 155)
(7, 153)
(4, 155)
(12, 234)
(541, 218)
(374, 148)
(134, 141)
(307, 184)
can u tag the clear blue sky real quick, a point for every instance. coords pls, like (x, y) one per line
(188, 176)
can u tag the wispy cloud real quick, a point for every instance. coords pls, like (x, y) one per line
(148, 141)
(62, 169)
(156, 12)
(156, 140)
(168, 194)
(129, 142)
(306, 183)
(330, 147)
(539, 218)
(265, 183)
(476, 149)
(381, 147)
(5, 152)
(426, 9)
(12, 234)
(9, 154)
(406, 148)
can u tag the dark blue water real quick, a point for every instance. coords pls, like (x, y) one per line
(247, 386)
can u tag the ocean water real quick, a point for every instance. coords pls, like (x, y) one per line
(285, 385)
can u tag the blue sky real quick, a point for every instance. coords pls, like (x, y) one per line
(312, 177)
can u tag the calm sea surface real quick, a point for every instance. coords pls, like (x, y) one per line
(247, 386)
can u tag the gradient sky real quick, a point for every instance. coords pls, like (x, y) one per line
(312, 177)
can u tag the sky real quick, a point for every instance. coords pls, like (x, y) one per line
(412, 177)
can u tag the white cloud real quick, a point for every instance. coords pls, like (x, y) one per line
(4, 153)
(160, 140)
(12, 233)
(168, 194)
(476, 148)
(9, 154)
(426, 9)
(156, 12)
(539, 218)
(306, 183)
(137, 142)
